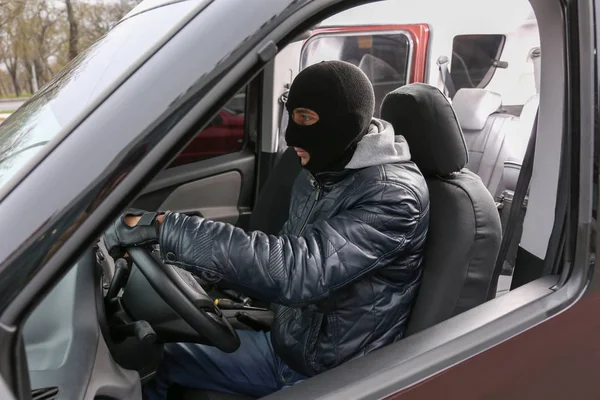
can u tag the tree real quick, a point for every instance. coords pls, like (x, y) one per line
(73, 30)
(9, 9)
(9, 12)
(39, 37)
(37, 32)
(10, 57)
(99, 17)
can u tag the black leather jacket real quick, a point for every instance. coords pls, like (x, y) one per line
(345, 269)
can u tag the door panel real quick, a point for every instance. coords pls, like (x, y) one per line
(219, 188)
(215, 197)
(213, 176)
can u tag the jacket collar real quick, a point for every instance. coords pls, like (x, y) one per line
(331, 178)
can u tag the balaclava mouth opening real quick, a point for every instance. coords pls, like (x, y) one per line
(342, 96)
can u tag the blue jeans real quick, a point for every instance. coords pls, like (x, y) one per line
(253, 370)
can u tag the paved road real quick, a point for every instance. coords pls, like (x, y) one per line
(11, 104)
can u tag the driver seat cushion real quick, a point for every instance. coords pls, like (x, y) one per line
(464, 233)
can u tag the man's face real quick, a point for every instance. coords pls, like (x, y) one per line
(330, 106)
(304, 117)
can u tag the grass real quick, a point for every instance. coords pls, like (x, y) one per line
(7, 111)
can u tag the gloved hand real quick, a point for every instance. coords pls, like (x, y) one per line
(121, 235)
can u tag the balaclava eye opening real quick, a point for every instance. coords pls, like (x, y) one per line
(342, 96)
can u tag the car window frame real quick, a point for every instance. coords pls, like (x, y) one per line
(355, 31)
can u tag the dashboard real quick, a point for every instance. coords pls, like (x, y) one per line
(64, 343)
(82, 339)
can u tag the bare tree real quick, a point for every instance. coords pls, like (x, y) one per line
(73, 30)
(10, 57)
(9, 9)
(39, 37)
(9, 54)
(36, 31)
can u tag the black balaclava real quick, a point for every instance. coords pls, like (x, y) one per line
(342, 96)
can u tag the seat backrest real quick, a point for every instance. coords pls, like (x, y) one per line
(464, 229)
(272, 205)
(485, 128)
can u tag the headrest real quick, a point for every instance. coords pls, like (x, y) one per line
(423, 115)
(474, 106)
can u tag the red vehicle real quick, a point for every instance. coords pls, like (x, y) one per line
(224, 133)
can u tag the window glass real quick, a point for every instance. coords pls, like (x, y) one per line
(384, 57)
(84, 81)
(223, 135)
(473, 59)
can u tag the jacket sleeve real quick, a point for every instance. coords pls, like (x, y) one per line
(297, 270)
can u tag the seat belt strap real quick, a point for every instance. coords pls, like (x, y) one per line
(517, 210)
(536, 58)
(442, 63)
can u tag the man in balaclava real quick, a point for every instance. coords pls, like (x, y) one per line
(344, 269)
(330, 107)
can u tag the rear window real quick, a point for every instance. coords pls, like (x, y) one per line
(474, 58)
(385, 57)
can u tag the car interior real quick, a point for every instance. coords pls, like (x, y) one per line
(470, 154)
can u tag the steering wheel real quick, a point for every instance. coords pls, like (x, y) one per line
(182, 293)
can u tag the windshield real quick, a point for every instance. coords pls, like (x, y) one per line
(84, 82)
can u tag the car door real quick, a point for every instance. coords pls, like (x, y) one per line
(67, 357)
(40, 243)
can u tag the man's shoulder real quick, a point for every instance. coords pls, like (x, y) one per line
(405, 174)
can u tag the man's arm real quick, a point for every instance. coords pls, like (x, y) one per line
(298, 270)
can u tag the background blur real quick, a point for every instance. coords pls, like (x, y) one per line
(38, 37)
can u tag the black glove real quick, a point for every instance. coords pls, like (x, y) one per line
(119, 235)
